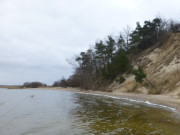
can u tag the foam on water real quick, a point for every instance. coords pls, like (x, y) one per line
(133, 100)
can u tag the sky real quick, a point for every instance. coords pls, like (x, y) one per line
(38, 37)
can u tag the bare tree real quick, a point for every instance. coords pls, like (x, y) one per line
(73, 62)
(126, 35)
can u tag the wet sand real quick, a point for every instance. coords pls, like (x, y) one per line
(166, 100)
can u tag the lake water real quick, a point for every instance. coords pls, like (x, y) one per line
(48, 112)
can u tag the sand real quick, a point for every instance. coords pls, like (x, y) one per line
(166, 100)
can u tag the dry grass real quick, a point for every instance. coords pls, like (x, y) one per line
(13, 87)
(10, 87)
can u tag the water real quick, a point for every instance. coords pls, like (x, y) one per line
(67, 113)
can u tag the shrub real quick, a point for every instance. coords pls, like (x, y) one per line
(120, 79)
(139, 74)
(34, 84)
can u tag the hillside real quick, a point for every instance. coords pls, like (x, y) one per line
(109, 65)
(161, 63)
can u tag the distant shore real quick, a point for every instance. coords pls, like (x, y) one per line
(166, 100)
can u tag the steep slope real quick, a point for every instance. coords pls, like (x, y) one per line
(162, 66)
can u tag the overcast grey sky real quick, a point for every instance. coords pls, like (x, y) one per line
(37, 36)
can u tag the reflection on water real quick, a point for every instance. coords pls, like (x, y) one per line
(112, 116)
(68, 113)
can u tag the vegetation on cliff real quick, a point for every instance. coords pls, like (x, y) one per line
(109, 60)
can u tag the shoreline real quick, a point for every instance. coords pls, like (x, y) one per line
(163, 101)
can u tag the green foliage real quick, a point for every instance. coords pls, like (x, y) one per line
(119, 64)
(144, 36)
(101, 64)
(34, 84)
(110, 48)
(121, 43)
(100, 53)
(133, 50)
(139, 74)
(120, 79)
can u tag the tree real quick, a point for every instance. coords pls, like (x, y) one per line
(120, 64)
(126, 35)
(86, 71)
(146, 35)
(136, 35)
(100, 54)
(110, 48)
(139, 74)
(34, 84)
(174, 26)
(108, 59)
(121, 43)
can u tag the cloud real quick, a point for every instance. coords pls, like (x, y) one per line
(38, 36)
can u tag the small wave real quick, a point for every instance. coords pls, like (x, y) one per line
(132, 100)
